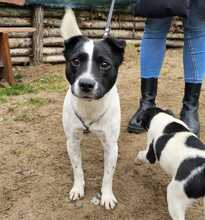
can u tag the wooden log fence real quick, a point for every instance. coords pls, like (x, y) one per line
(46, 45)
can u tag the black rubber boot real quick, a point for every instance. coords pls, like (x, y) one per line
(189, 112)
(149, 93)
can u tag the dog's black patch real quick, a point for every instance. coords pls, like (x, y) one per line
(187, 166)
(71, 45)
(107, 56)
(161, 143)
(195, 186)
(150, 154)
(174, 127)
(194, 142)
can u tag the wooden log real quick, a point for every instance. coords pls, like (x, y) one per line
(127, 17)
(53, 37)
(17, 12)
(21, 52)
(52, 22)
(124, 34)
(135, 42)
(24, 60)
(174, 44)
(51, 32)
(20, 42)
(54, 59)
(20, 34)
(53, 50)
(96, 24)
(15, 22)
(170, 44)
(38, 17)
(53, 13)
(53, 41)
(175, 36)
(102, 15)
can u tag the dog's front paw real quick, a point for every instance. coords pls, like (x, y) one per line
(76, 192)
(141, 156)
(108, 200)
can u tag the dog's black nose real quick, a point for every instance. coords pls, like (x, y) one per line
(86, 85)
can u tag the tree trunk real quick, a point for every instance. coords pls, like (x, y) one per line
(38, 17)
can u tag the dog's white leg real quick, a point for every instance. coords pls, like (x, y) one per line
(142, 156)
(177, 200)
(73, 148)
(147, 155)
(110, 159)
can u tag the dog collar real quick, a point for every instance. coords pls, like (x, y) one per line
(87, 126)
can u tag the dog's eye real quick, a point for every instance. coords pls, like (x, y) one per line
(105, 65)
(75, 62)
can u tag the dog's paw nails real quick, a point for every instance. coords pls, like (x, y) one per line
(76, 192)
(108, 200)
(141, 156)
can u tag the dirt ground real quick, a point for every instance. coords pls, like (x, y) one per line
(35, 172)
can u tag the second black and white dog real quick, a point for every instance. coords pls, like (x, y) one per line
(92, 102)
(180, 153)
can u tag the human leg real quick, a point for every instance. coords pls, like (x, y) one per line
(152, 55)
(194, 67)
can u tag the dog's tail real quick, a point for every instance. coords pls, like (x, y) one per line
(69, 26)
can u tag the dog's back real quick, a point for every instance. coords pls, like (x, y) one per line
(171, 138)
(180, 153)
(172, 149)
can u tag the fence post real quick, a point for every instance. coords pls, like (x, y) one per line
(38, 19)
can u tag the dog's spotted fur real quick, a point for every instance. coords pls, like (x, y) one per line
(92, 101)
(180, 153)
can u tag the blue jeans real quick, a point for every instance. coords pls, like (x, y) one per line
(153, 46)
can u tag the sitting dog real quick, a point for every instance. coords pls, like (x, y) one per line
(180, 153)
(92, 102)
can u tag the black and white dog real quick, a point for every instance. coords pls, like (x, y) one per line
(92, 102)
(180, 153)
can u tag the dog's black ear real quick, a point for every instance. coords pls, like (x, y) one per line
(117, 45)
(71, 43)
(146, 116)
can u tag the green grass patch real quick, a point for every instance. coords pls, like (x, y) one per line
(37, 102)
(48, 83)
(18, 89)
(3, 99)
(52, 83)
